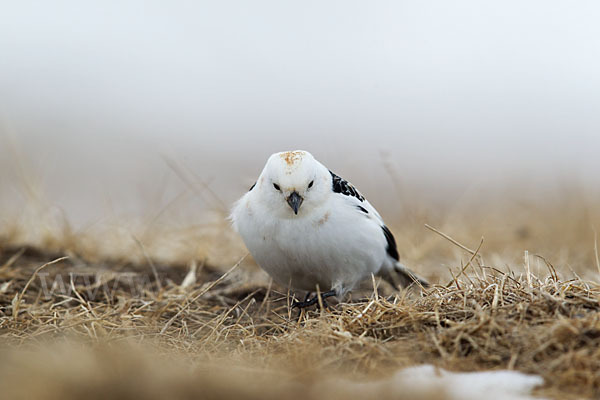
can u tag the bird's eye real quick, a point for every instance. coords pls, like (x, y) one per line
(310, 184)
(276, 186)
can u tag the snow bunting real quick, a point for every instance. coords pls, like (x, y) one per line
(306, 226)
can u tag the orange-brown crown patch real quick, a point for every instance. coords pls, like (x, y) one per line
(290, 157)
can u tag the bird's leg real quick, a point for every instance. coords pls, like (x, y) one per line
(326, 295)
(302, 304)
(314, 300)
(299, 304)
(305, 303)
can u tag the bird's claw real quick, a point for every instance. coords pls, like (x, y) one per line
(315, 300)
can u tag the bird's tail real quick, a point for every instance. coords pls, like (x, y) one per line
(403, 277)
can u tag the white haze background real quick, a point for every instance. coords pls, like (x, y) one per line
(95, 96)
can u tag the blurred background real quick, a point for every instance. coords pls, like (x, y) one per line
(475, 115)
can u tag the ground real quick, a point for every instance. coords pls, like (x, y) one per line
(87, 315)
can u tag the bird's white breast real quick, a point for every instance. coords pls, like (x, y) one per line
(334, 245)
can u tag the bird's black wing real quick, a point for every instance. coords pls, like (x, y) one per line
(344, 187)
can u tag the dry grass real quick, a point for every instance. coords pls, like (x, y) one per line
(121, 330)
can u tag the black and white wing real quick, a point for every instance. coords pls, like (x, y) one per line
(362, 205)
(401, 275)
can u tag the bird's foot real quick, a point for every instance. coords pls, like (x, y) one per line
(315, 300)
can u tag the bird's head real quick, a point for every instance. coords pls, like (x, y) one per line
(293, 183)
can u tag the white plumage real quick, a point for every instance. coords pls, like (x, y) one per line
(306, 226)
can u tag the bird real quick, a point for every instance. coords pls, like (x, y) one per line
(306, 226)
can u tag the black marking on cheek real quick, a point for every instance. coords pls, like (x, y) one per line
(361, 208)
(252, 187)
(344, 187)
(391, 249)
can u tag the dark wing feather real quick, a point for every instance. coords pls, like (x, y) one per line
(344, 187)
(391, 248)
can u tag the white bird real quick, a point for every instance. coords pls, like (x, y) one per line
(306, 226)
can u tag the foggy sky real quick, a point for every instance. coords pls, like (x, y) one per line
(96, 94)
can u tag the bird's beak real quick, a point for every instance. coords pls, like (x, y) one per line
(295, 201)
